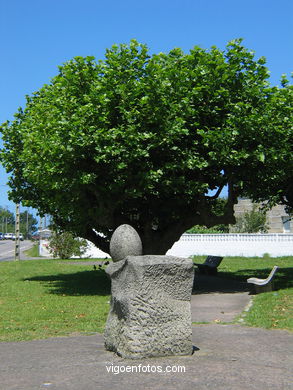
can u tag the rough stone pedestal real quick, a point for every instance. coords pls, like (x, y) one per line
(150, 307)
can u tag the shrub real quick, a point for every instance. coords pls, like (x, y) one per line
(253, 221)
(64, 245)
(198, 229)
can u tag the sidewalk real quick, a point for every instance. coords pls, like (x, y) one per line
(226, 357)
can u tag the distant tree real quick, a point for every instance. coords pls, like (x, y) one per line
(28, 224)
(144, 139)
(253, 221)
(7, 220)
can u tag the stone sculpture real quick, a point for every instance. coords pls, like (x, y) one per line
(125, 241)
(150, 311)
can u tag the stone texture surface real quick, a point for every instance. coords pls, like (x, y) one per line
(125, 241)
(150, 312)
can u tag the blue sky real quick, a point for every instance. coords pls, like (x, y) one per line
(39, 35)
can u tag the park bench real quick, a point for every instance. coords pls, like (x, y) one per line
(264, 285)
(210, 266)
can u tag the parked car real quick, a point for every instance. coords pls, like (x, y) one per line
(20, 237)
(1, 236)
(8, 236)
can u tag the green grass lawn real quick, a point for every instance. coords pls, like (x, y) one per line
(33, 251)
(271, 310)
(46, 298)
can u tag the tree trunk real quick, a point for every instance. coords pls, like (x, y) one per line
(155, 242)
(159, 241)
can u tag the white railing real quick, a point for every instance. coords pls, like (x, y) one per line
(234, 244)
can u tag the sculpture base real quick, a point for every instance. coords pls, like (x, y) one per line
(150, 312)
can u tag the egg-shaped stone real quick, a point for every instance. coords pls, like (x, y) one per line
(125, 241)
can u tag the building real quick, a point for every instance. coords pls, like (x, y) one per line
(277, 219)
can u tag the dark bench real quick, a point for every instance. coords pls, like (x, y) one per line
(210, 266)
(264, 285)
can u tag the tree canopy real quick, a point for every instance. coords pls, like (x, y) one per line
(151, 140)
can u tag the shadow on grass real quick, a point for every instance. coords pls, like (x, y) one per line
(205, 284)
(283, 277)
(93, 282)
(96, 282)
(233, 282)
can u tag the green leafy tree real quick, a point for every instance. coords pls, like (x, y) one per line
(28, 224)
(64, 245)
(145, 139)
(276, 181)
(7, 220)
(252, 221)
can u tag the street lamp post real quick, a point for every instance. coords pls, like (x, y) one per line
(17, 223)
(27, 223)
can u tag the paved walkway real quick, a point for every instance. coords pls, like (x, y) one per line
(218, 300)
(226, 356)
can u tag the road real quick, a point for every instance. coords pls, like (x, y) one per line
(7, 249)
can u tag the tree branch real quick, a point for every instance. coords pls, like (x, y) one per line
(217, 193)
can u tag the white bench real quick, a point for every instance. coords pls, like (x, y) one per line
(264, 285)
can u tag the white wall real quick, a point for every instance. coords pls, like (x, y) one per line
(95, 252)
(43, 248)
(242, 244)
(233, 245)
(224, 245)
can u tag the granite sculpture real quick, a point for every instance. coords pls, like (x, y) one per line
(150, 312)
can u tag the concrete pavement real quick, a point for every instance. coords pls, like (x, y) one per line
(226, 357)
(217, 299)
